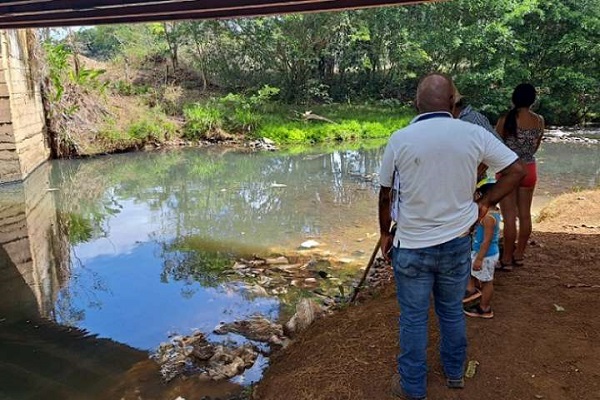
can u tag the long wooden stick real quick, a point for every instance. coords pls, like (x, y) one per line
(369, 265)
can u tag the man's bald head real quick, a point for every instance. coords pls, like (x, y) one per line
(435, 93)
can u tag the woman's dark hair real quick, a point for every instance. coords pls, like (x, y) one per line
(523, 96)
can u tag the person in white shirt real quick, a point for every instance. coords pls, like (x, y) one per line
(435, 160)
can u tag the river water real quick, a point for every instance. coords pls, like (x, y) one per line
(118, 253)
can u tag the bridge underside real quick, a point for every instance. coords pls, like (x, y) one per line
(49, 13)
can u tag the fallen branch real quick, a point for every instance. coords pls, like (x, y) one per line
(309, 115)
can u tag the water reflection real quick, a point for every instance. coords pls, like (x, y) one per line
(30, 239)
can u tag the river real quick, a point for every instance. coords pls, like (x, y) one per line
(124, 251)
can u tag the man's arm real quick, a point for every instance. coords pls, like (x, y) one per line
(385, 220)
(510, 177)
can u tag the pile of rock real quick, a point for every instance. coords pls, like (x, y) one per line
(185, 354)
(194, 354)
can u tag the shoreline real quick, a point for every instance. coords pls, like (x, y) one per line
(365, 335)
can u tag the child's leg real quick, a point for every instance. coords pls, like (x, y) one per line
(471, 285)
(487, 290)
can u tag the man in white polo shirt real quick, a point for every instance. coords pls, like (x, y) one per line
(435, 159)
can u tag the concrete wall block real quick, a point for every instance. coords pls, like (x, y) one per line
(7, 145)
(22, 123)
(5, 110)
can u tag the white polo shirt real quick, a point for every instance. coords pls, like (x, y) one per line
(436, 158)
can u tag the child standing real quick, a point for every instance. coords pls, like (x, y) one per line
(485, 256)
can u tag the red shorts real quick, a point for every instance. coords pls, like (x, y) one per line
(530, 179)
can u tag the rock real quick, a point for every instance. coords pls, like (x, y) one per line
(256, 290)
(264, 280)
(309, 244)
(202, 350)
(277, 261)
(279, 290)
(267, 141)
(239, 265)
(227, 363)
(307, 311)
(310, 280)
(255, 328)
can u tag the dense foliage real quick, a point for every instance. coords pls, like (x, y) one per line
(488, 47)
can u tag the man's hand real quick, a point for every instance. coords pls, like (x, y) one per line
(477, 264)
(386, 243)
(385, 220)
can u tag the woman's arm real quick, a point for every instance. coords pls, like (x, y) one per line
(543, 127)
(500, 127)
(489, 223)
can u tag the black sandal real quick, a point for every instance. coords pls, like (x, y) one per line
(504, 267)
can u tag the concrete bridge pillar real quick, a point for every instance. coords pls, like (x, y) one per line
(23, 146)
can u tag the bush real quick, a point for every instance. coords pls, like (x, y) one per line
(151, 130)
(201, 120)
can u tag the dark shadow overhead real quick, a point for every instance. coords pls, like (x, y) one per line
(54, 13)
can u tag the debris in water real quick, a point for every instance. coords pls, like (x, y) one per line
(278, 185)
(309, 244)
(559, 308)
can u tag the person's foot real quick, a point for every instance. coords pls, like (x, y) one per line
(399, 393)
(504, 266)
(478, 312)
(455, 383)
(471, 295)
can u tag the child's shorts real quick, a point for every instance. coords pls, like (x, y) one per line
(486, 274)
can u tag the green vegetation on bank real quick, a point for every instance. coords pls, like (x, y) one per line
(375, 54)
(257, 116)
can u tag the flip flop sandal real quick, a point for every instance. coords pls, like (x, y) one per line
(518, 262)
(470, 296)
(504, 267)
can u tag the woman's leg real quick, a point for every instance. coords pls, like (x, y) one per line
(508, 206)
(524, 200)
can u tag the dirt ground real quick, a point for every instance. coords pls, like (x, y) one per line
(543, 342)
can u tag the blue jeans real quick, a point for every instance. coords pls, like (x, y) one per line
(444, 270)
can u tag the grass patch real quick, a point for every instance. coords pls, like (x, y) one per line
(286, 125)
(349, 123)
